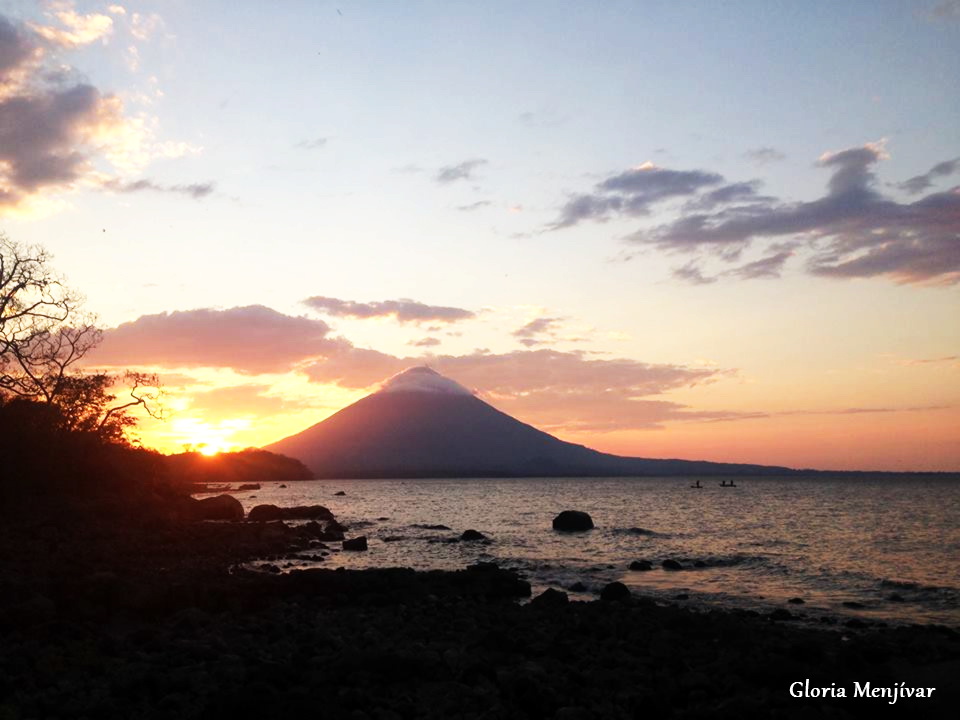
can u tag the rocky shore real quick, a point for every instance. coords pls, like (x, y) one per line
(163, 617)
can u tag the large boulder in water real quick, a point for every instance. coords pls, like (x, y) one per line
(219, 507)
(357, 543)
(572, 521)
(265, 513)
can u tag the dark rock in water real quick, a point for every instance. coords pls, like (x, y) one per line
(430, 527)
(572, 521)
(699, 564)
(853, 604)
(331, 531)
(249, 486)
(681, 596)
(393, 538)
(550, 598)
(578, 587)
(796, 601)
(473, 535)
(357, 543)
(282, 485)
(265, 513)
(615, 592)
(641, 565)
(669, 564)
(340, 493)
(220, 507)
(307, 512)
(781, 614)
(896, 597)
(382, 518)
(641, 531)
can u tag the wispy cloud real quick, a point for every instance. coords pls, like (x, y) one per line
(313, 144)
(764, 155)
(920, 183)
(194, 190)
(460, 171)
(403, 310)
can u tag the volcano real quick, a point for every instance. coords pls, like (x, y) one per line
(422, 424)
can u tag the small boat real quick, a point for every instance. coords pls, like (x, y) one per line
(724, 483)
(698, 486)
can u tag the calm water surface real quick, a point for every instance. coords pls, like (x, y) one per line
(892, 545)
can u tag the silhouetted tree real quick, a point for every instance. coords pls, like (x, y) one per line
(44, 335)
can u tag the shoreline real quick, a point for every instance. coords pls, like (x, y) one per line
(156, 620)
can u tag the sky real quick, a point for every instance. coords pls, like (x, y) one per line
(722, 231)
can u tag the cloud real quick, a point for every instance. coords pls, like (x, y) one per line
(474, 206)
(194, 190)
(252, 339)
(633, 192)
(461, 171)
(768, 267)
(425, 342)
(537, 331)
(919, 183)
(54, 128)
(313, 144)
(946, 10)
(693, 274)
(75, 29)
(402, 310)
(764, 155)
(143, 27)
(851, 232)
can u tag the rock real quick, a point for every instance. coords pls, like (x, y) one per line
(282, 485)
(340, 493)
(796, 601)
(264, 513)
(357, 543)
(572, 521)
(669, 564)
(220, 507)
(578, 587)
(853, 604)
(430, 527)
(781, 614)
(681, 596)
(249, 486)
(641, 531)
(550, 598)
(615, 592)
(641, 565)
(699, 564)
(896, 597)
(473, 535)
(330, 531)
(307, 512)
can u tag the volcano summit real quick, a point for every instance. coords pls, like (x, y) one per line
(422, 424)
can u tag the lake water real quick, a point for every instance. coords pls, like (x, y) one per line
(892, 545)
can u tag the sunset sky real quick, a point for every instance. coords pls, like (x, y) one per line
(723, 231)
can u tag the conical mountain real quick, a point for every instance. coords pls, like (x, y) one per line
(422, 424)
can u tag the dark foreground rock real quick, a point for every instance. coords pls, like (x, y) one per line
(161, 621)
(572, 521)
(219, 507)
